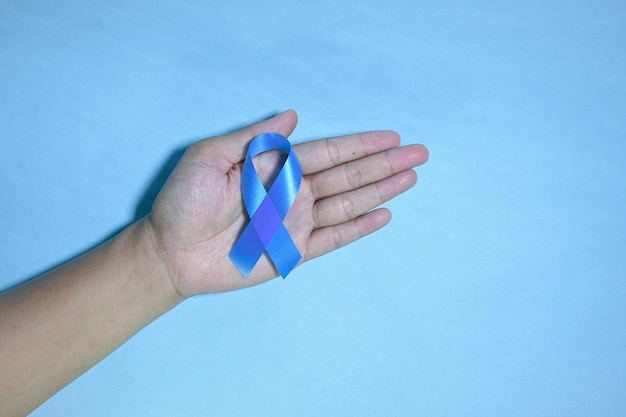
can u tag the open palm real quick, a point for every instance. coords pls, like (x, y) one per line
(199, 214)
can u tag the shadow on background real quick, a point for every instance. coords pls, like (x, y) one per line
(144, 206)
(145, 203)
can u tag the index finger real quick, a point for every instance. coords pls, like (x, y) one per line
(322, 154)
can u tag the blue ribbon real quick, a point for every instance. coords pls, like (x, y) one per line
(267, 208)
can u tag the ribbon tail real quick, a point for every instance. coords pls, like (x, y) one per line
(283, 252)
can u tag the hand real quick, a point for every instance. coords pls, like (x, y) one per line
(199, 214)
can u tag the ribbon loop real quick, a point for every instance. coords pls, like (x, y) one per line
(267, 208)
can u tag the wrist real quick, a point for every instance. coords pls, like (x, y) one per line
(153, 262)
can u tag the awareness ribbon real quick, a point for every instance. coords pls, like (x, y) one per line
(267, 208)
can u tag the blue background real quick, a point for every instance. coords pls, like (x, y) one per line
(497, 289)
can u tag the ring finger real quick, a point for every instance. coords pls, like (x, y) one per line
(349, 205)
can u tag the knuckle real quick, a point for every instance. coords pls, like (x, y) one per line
(314, 186)
(316, 216)
(338, 240)
(348, 207)
(332, 148)
(354, 176)
(391, 166)
(380, 194)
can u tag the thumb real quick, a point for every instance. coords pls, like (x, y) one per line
(233, 145)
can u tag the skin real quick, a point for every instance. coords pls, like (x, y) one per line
(57, 326)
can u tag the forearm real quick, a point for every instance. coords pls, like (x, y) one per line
(54, 328)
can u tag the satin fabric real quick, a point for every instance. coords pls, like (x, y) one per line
(267, 208)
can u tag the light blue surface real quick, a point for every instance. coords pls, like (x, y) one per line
(499, 287)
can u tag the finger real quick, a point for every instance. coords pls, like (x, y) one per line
(231, 148)
(327, 239)
(364, 171)
(347, 206)
(318, 155)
